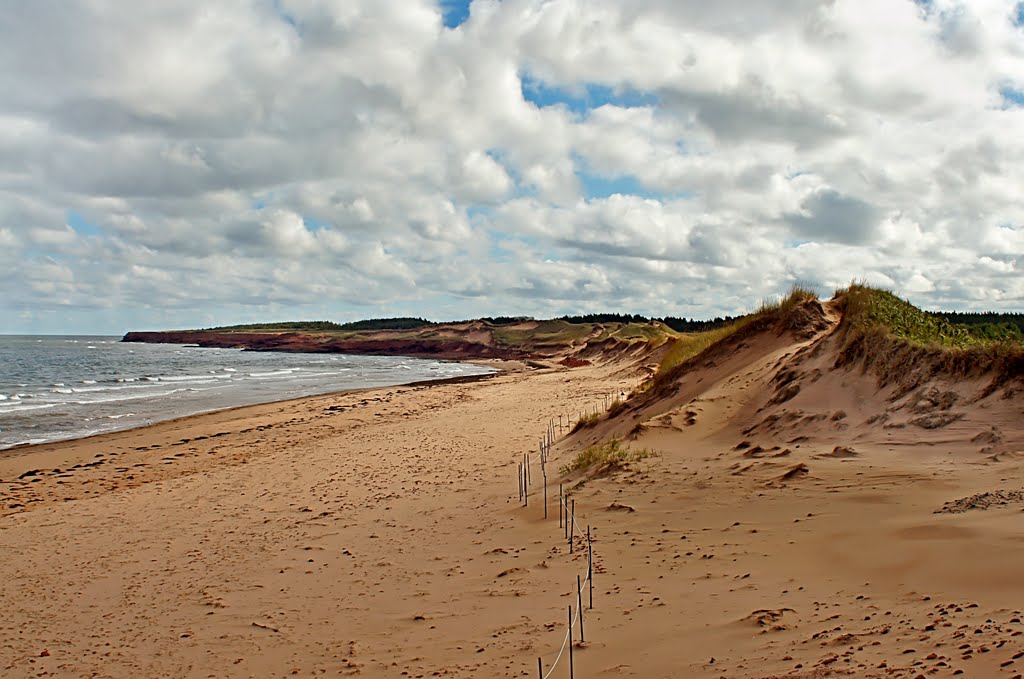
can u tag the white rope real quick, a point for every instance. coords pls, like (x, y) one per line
(579, 596)
(568, 632)
(563, 500)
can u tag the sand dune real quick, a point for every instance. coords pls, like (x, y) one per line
(798, 518)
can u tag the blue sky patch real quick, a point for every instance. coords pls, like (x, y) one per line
(1012, 96)
(589, 97)
(78, 223)
(286, 17)
(313, 224)
(455, 12)
(596, 186)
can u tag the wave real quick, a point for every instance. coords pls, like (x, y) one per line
(276, 373)
(185, 378)
(133, 397)
(25, 407)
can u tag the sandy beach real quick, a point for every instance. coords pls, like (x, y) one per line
(380, 534)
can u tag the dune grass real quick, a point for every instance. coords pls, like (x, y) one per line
(797, 295)
(543, 334)
(605, 457)
(690, 345)
(868, 308)
(586, 421)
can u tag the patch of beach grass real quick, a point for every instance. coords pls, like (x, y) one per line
(870, 308)
(605, 457)
(586, 421)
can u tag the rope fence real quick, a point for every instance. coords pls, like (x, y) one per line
(566, 520)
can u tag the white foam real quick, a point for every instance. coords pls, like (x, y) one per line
(21, 407)
(187, 378)
(133, 397)
(276, 373)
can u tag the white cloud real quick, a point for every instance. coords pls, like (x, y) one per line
(251, 156)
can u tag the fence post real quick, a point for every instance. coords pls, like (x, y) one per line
(559, 505)
(590, 567)
(570, 642)
(579, 604)
(568, 519)
(545, 495)
(572, 524)
(526, 486)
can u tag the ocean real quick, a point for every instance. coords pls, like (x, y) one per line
(63, 387)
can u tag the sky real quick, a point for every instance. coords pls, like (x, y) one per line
(177, 164)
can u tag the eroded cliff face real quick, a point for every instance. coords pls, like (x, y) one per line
(446, 348)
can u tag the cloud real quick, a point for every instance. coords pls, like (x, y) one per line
(829, 216)
(338, 159)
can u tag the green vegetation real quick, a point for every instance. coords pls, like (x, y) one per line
(673, 322)
(605, 457)
(290, 326)
(616, 408)
(798, 294)
(993, 325)
(586, 421)
(870, 307)
(688, 346)
(329, 326)
(544, 334)
(403, 323)
(504, 320)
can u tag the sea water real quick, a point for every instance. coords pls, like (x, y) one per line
(62, 387)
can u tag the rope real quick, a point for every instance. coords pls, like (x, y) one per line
(579, 594)
(567, 639)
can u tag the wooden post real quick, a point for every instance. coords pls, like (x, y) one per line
(540, 669)
(570, 642)
(572, 523)
(579, 605)
(568, 519)
(590, 567)
(559, 505)
(519, 473)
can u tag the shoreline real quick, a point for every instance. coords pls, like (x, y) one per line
(499, 366)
